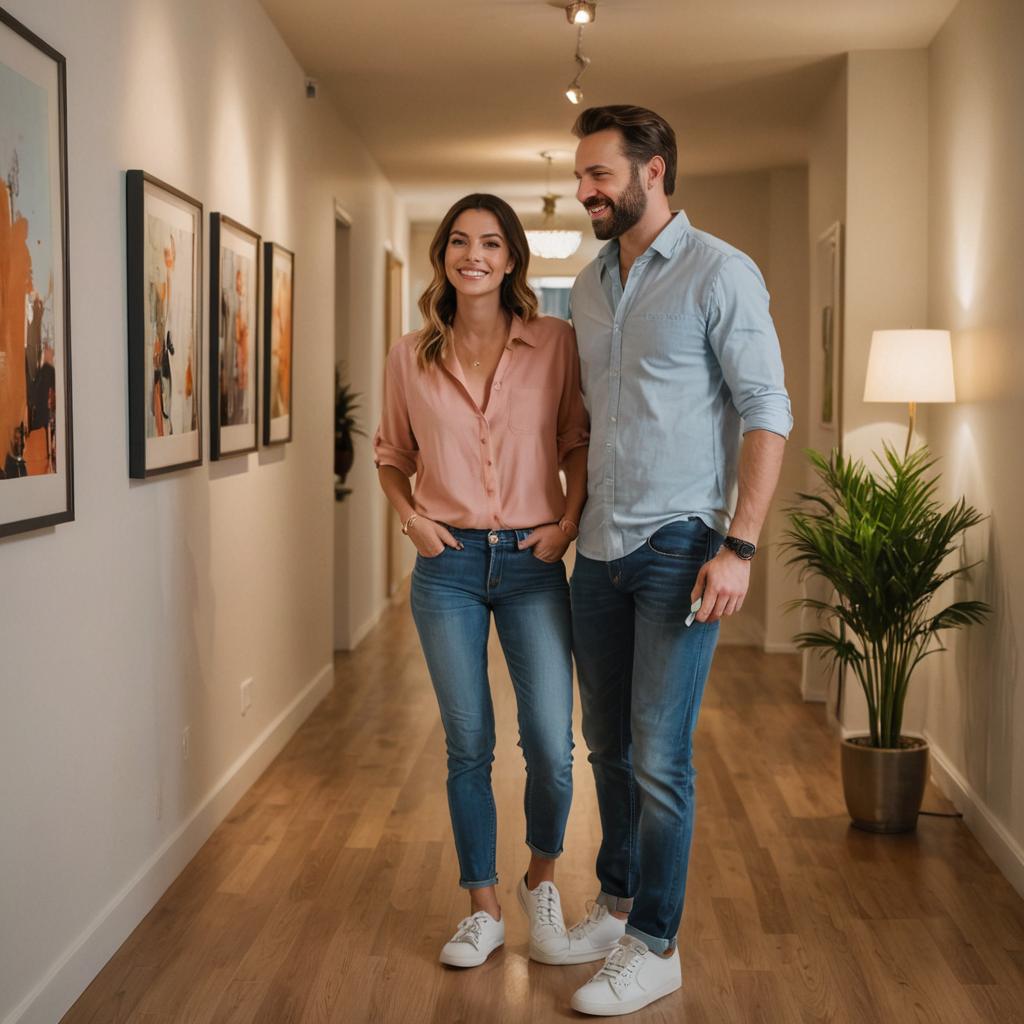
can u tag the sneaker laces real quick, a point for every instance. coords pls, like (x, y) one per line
(620, 963)
(469, 930)
(547, 907)
(596, 913)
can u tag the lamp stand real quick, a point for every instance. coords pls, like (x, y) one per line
(910, 427)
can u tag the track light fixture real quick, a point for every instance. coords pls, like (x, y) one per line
(581, 12)
(574, 94)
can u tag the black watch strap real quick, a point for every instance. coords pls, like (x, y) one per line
(743, 548)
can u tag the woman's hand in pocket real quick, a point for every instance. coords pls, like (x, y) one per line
(431, 538)
(549, 543)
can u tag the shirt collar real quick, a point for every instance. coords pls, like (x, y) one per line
(519, 331)
(665, 244)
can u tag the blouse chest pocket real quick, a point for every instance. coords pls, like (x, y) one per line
(532, 410)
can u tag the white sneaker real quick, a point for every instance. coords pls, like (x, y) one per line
(549, 941)
(474, 941)
(595, 936)
(632, 977)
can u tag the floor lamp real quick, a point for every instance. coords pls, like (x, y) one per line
(910, 366)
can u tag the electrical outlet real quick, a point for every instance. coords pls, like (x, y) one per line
(246, 695)
(186, 739)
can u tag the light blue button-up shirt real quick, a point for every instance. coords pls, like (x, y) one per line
(673, 365)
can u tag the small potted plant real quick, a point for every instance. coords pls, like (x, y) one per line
(345, 427)
(881, 541)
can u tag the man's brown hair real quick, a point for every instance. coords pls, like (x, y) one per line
(645, 134)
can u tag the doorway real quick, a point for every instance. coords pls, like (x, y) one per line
(342, 350)
(393, 328)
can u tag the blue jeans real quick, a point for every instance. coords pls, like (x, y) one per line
(453, 596)
(642, 673)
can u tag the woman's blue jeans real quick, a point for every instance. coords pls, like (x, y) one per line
(453, 597)
(642, 672)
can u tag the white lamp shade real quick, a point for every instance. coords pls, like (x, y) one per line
(910, 366)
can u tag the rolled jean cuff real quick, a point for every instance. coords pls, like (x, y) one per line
(653, 943)
(543, 853)
(620, 904)
(478, 885)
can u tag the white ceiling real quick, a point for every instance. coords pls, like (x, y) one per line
(453, 96)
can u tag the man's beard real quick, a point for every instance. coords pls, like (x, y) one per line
(624, 213)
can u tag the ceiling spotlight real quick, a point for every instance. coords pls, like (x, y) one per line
(581, 12)
(574, 94)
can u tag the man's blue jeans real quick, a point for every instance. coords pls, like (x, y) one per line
(453, 596)
(642, 673)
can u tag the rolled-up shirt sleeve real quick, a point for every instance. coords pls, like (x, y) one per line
(743, 339)
(573, 422)
(394, 443)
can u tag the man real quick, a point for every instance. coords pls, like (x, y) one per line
(678, 356)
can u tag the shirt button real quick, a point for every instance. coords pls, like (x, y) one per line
(613, 419)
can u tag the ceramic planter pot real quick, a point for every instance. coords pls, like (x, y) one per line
(884, 787)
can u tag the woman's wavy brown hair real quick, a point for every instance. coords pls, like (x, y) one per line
(437, 303)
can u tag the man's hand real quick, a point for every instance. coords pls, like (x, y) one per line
(722, 585)
(549, 543)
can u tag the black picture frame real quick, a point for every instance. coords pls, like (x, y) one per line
(152, 452)
(32, 500)
(278, 266)
(225, 438)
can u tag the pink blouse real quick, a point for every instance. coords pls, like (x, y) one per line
(486, 470)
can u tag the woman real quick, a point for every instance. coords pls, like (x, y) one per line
(483, 405)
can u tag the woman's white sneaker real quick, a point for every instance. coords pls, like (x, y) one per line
(595, 936)
(474, 941)
(549, 941)
(632, 977)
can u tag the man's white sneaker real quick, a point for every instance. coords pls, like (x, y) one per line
(474, 941)
(632, 977)
(549, 941)
(595, 936)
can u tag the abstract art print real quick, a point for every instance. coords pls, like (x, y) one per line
(36, 477)
(278, 313)
(234, 313)
(165, 297)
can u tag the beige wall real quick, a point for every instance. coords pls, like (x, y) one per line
(826, 203)
(975, 716)
(144, 615)
(886, 259)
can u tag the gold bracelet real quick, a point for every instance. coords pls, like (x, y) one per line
(412, 519)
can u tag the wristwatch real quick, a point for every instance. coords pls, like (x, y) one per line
(741, 548)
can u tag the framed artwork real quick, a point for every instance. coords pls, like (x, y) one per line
(829, 255)
(36, 465)
(234, 315)
(278, 312)
(165, 335)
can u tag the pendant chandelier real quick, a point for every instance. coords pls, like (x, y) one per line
(549, 241)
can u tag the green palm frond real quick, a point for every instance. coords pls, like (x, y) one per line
(880, 540)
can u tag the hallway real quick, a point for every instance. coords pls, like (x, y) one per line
(327, 892)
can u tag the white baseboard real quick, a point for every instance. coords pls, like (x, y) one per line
(76, 967)
(978, 817)
(360, 632)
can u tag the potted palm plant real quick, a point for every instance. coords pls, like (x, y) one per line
(881, 542)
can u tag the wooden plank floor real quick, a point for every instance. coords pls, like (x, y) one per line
(328, 891)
